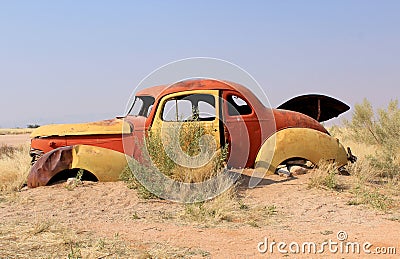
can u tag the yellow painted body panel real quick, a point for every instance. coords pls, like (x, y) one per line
(105, 164)
(299, 143)
(211, 127)
(93, 128)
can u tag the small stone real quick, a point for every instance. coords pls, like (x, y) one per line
(298, 170)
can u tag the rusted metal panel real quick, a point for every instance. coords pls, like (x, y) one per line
(104, 164)
(114, 126)
(112, 141)
(290, 119)
(243, 132)
(49, 165)
(107, 134)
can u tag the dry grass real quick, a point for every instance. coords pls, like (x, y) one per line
(324, 176)
(229, 208)
(222, 208)
(15, 131)
(185, 153)
(44, 238)
(14, 167)
(368, 184)
(360, 149)
(369, 188)
(50, 239)
(200, 174)
(365, 185)
(177, 156)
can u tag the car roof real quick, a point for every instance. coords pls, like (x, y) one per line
(200, 84)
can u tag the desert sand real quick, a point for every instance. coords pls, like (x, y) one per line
(93, 216)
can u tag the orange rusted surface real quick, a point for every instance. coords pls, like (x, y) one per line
(49, 165)
(106, 141)
(115, 126)
(289, 119)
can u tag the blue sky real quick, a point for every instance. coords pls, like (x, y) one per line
(76, 61)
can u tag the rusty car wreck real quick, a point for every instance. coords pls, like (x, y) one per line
(292, 132)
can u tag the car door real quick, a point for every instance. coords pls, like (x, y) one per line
(189, 111)
(242, 129)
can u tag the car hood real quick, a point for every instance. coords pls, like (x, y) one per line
(114, 126)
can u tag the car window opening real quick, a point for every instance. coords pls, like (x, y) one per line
(196, 107)
(237, 106)
(142, 106)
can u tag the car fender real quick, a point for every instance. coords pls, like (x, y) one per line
(303, 143)
(105, 164)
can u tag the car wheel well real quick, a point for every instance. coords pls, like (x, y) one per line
(296, 165)
(72, 173)
(300, 161)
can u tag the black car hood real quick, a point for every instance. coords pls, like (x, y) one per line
(319, 107)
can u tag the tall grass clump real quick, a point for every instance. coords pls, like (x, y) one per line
(14, 167)
(324, 176)
(382, 130)
(222, 208)
(186, 154)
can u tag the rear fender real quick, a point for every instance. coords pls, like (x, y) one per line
(105, 164)
(303, 143)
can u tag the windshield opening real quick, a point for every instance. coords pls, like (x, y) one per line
(141, 106)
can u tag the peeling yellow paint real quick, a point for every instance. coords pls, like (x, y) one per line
(116, 126)
(105, 164)
(299, 143)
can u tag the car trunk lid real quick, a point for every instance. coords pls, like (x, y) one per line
(318, 107)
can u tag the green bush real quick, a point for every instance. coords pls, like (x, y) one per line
(381, 129)
(32, 126)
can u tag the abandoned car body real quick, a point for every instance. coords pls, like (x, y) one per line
(292, 131)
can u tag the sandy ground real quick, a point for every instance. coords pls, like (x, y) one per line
(14, 140)
(110, 211)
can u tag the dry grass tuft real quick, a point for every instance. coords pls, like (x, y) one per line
(381, 129)
(177, 156)
(222, 208)
(51, 239)
(374, 137)
(14, 167)
(185, 152)
(229, 208)
(369, 188)
(324, 176)
(40, 237)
